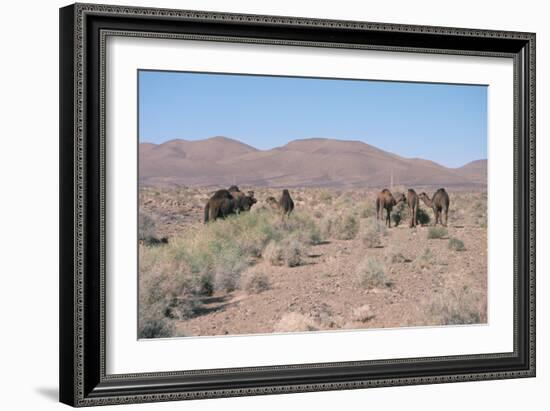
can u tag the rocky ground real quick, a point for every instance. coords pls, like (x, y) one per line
(424, 281)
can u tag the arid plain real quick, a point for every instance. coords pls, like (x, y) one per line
(331, 265)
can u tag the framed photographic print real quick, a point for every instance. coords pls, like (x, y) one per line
(262, 204)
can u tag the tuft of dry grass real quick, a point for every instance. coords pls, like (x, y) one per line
(363, 314)
(425, 260)
(371, 273)
(452, 307)
(255, 282)
(295, 322)
(373, 233)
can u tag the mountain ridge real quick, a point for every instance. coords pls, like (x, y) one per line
(221, 161)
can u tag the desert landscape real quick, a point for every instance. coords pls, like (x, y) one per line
(329, 264)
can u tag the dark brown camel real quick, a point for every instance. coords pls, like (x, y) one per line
(386, 200)
(285, 204)
(224, 203)
(412, 202)
(439, 204)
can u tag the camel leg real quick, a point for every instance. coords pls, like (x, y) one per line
(446, 216)
(388, 219)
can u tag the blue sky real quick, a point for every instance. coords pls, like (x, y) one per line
(440, 122)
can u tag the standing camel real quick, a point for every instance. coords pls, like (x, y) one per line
(386, 200)
(439, 203)
(412, 202)
(285, 204)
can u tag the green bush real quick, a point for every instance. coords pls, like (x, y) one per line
(345, 227)
(456, 244)
(437, 232)
(422, 216)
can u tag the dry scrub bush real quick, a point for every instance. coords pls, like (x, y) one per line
(373, 232)
(437, 232)
(362, 314)
(167, 291)
(425, 260)
(289, 251)
(146, 226)
(254, 282)
(342, 227)
(367, 209)
(456, 245)
(451, 307)
(295, 322)
(371, 273)
(394, 255)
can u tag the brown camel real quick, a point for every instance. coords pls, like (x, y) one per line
(439, 203)
(412, 202)
(285, 204)
(386, 200)
(224, 203)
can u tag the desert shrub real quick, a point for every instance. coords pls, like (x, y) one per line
(456, 245)
(397, 213)
(255, 282)
(155, 328)
(290, 252)
(273, 253)
(437, 232)
(373, 232)
(345, 227)
(457, 307)
(425, 260)
(367, 209)
(422, 216)
(325, 196)
(146, 226)
(362, 314)
(394, 255)
(304, 225)
(295, 322)
(371, 273)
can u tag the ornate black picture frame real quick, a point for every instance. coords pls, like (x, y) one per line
(83, 30)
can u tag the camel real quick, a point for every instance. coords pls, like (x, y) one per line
(224, 203)
(412, 202)
(439, 203)
(243, 201)
(386, 200)
(285, 204)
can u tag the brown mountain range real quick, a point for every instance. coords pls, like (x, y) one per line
(221, 161)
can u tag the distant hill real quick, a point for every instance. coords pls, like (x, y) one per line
(221, 161)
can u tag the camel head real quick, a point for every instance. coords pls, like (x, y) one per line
(399, 197)
(424, 197)
(272, 202)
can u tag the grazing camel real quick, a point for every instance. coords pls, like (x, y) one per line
(412, 202)
(439, 203)
(224, 203)
(386, 200)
